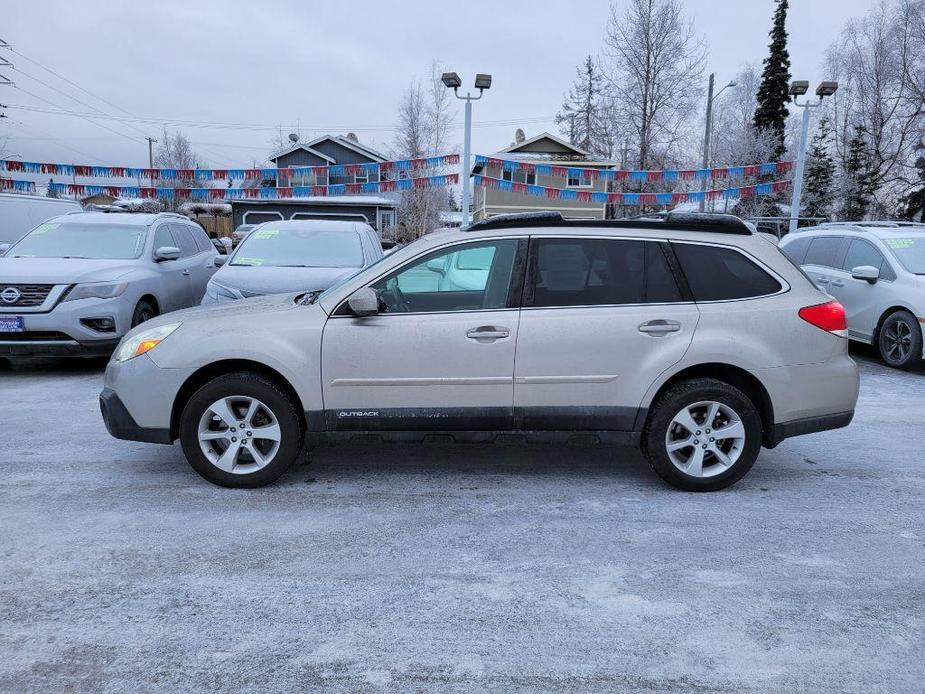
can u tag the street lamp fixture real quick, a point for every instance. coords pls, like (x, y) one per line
(451, 80)
(826, 88)
(482, 82)
(799, 88)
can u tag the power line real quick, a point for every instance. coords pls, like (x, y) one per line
(218, 125)
(86, 117)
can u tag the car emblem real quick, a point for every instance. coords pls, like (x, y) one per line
(10, 295)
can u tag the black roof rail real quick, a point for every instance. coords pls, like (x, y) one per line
(675, 221)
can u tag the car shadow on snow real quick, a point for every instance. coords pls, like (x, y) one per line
(53, 366)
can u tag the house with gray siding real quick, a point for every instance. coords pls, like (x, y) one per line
(541, 149)
(376, 210)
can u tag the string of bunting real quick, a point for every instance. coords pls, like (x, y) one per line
(159, 174)
(631, 198)
(765, 169)
(18, 186)
(260, 193)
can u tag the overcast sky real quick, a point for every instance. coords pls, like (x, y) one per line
(328, 66)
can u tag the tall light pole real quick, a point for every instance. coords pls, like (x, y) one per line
(708, 129)
(797, 89)
(482, 82)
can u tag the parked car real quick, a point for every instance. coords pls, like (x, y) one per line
(698, 341)
(75, 284)
(876, 270)
(20, 213)
(239, 234)
(291, 256)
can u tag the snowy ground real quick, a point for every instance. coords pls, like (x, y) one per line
(458, 568)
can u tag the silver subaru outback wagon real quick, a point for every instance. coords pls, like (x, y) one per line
(691, 337)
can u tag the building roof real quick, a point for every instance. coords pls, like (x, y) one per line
(338, 139)
(578, 156)
(307, 148)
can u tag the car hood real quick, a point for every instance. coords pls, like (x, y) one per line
(252, 280)
(62, 270)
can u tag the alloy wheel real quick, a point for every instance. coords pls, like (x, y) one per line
(897, 339)
(705, 439)
(239, 434)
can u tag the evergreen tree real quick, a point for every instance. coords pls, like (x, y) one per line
(583, 113)
(773, 93)
(857, 188)
(912, 205)
(820, 172)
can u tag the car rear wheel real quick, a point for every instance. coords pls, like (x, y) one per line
(702, 435)
(144, 311)
(900, 340)
(240, 430)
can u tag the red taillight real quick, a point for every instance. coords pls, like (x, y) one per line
(829, 316)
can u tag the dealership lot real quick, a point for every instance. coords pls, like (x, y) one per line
(441, 568)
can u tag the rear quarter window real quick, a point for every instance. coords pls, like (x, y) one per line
(796, 250)
(715, 273)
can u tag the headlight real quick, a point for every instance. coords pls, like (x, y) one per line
(217, 290)
(96, 290)
(142, 342)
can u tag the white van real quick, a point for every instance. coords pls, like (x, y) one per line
(20, 214)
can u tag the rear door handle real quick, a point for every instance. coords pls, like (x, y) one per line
(660, 327)
(487, 333)
(838, 283)
(186, 272)
(822, 280)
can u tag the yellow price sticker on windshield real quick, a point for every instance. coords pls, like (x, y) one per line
(265, 233)
(248, 261)
(45, 228)
(900, 243)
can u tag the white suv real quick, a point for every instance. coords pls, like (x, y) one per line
(692, 337)
(877, 271)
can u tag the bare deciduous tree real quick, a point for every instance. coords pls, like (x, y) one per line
(175, 152)
(655, 64)
(424, 119)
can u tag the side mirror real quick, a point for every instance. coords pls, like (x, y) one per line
(166, 253)
(363, 302)
(436, 265)
(867, 273)
(219, 260)
(4, 247)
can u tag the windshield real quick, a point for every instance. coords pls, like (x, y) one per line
(910, 252)
(300, 248)
(81, 240)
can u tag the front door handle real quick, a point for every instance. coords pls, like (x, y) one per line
(822, 280)
(186, 272)
(838, 283)
(487, 333)
(660, 327)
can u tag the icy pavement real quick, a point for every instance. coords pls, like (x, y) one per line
(466, 568)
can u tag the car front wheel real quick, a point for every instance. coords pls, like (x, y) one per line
(240, 430)
(702, 435)
(900, 340)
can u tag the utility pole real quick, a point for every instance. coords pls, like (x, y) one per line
(151, 141)
(708, 129)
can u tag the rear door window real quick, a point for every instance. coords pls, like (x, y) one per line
(715, 273)
(827, 251)
(202, 239)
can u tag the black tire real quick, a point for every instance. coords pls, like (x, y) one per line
(250, 385)
(144, 311)
(899, 340)
(686, 394)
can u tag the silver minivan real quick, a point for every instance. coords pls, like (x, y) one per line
(876, 270)
(691, 337)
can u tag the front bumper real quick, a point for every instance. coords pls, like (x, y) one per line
(59, 332)
(121, 425)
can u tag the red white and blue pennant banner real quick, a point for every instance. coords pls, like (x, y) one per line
(259, 193)
(642, 176)
(333, 170)
(18, 186)
(630, 198)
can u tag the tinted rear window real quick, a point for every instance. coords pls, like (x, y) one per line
(183, 236)
(722, 274)
(796, 250)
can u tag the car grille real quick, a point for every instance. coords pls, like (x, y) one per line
(28, 294)
(36, 336)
